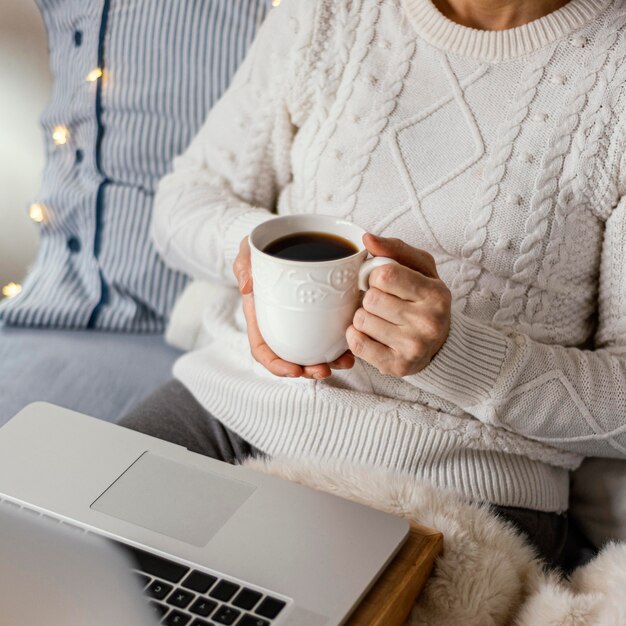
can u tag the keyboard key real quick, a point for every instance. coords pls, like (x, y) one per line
(225, 615)
(224, 590)
(142, 578)
(176, 618)
(198, 581)
(200, 622)
(180, 598)
(203, 607)
(159, 609)
(270, 607)
(247, 598)
(157, 566)
(252, 620)
(158, 589)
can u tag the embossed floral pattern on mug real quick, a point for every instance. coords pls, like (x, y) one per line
(325, 287)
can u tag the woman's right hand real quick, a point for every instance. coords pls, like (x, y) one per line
(260, 350)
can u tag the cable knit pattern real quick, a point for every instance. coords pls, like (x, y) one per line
(500, 153)
(325, 126)
(573, 181)
(365, 37)
(476, 230)
(314, 57)
(605, 110)
(544, 199)
(376, 125)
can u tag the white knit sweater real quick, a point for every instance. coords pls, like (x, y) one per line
(501, 153)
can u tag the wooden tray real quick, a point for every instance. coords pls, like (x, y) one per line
(390, 600)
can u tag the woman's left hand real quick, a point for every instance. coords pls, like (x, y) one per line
(405, 317)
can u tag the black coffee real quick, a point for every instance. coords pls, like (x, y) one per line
(311, 247)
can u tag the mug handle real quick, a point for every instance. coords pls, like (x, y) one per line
(368, 267)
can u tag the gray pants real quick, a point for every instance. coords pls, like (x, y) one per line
(172, 413)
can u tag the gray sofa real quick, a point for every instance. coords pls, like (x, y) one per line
(97, 373)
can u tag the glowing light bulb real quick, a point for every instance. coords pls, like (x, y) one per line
(93, 76)
(60, 135)
(276, 3)
(37, 212)
(11, 290)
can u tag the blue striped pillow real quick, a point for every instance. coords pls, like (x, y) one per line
(133, 82)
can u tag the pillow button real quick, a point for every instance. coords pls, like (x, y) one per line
(73, 245)
(79, 156)
(78, 38)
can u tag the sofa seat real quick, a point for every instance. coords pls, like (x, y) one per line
(100, 374)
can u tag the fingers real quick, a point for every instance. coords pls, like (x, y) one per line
(242, 268)
(324, 370)
(260, 350)
(400, 281)
(369, 350)
(344, 362)
(414, 258)
(317, 371)
(377, 328)
(384, 305)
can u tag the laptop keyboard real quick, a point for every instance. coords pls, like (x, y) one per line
(182, 596)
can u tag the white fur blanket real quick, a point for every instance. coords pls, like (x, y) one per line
(488, 575)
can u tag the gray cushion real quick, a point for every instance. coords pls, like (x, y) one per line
(100, 374)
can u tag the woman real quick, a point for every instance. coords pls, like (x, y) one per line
(482, 142)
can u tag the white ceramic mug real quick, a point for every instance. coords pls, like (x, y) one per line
(304, 308)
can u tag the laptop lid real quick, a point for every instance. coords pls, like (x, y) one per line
(51, 574)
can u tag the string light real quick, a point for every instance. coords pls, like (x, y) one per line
(93, 76)
(276, 3)
(37, 212)
(11, 290)
(60, 135)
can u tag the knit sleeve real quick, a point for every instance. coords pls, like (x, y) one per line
(228, 179)
(568, 398)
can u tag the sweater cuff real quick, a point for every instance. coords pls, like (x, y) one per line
(467, 367)
(241, 227)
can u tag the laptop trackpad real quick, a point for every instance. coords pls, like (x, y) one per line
(173, 499)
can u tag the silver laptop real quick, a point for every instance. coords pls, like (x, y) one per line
(207, 542)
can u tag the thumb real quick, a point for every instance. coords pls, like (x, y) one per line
(414, 258)
(242, 268)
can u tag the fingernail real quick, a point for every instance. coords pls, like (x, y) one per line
(243, 280)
